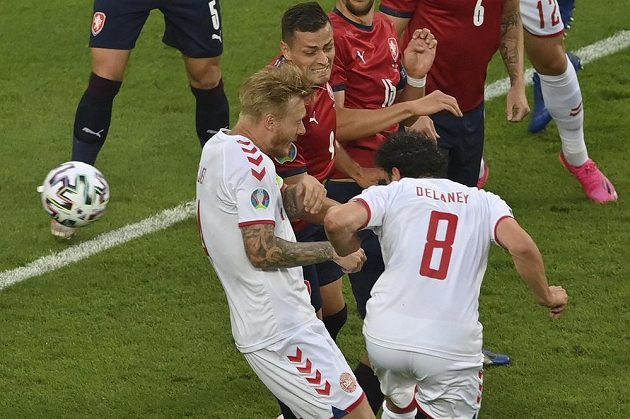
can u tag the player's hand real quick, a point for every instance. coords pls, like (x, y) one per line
(312, 193)
(368, 176)
(420, 53)
(557, 301)
(424, 125)
(516, 104)
(434, 102)
(351, 263)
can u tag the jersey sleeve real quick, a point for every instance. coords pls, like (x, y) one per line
(376, 200)
(398, 8)
(256, 199)
(499, 210)
(294, 167)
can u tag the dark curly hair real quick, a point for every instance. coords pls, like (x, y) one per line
(414, 155)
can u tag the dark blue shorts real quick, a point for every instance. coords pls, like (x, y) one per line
(327, 272)
(463, 139)
(322, 273)
(192, 26)
(362, 281)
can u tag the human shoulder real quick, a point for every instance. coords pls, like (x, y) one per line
(243, 158)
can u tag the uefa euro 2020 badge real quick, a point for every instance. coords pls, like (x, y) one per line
(260, 198)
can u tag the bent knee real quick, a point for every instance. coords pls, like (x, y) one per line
(555, 67)
(203, 73)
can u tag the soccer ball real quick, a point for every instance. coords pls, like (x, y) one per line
(75, 194)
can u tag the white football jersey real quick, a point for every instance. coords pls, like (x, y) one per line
(435, 235)
(237, 186)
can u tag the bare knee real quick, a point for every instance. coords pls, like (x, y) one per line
(110, 63)
(553, 67)
(547, 55)
(203, 73)
(332, 297)
(362, 411)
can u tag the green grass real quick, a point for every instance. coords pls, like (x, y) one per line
(142, 330)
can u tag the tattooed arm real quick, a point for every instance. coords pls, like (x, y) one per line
(511, 49)
(266, 251)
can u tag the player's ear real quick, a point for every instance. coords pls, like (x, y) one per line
(395, 174)
(270, 121)
(286, 51)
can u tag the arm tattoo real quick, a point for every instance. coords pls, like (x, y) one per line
(292, 205)
(266, 251)
(509, 48)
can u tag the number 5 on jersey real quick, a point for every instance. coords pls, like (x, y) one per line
(438, 248)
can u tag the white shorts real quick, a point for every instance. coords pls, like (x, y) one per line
(441, 388)
(541, 17)
(308, 373)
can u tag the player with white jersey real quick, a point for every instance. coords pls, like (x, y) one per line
(544, 44)
(422, 327)
(243, 214)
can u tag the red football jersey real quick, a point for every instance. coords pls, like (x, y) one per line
(368, 68)
(316, 148)
(468, 34)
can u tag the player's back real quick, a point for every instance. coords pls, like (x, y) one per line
(435, 236)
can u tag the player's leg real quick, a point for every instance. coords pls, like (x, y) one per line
(393, 368)
(211, 105)
(334, 308)
(463, 139)
(194, 28)
(563, 97)
(94, 113)
(115, 28)
(309, 374)
(540, 115)
(447, 388)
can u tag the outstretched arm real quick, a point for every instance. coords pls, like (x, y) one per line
(353, 124)
(267, 251)
(529, 265)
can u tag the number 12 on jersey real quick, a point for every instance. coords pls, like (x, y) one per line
(442, 246)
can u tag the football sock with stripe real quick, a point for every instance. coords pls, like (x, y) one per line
(564, 101)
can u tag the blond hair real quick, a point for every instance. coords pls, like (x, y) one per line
(270, 89)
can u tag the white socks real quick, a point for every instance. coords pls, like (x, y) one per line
(388, 414)
(563, 99)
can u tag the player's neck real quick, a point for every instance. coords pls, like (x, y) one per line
(365, 20)
(244, 130)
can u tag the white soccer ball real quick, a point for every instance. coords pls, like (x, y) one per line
(75, 194)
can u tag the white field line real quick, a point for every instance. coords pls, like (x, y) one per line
(166, 218)
(98, 244)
